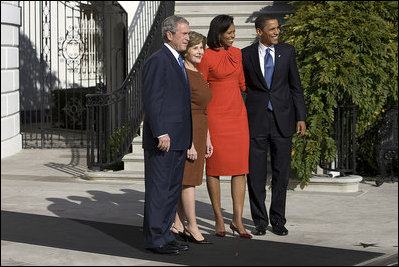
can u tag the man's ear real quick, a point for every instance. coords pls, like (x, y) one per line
(258, 32)
(169, 35)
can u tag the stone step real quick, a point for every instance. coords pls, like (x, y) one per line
(205, 21)
(241, 30)
(246, 34)
(244, 15)
(240, 17)
(200, 14)
(137, 139)
(317, 183)
(220, 7)
(242, 43)
(324, 183)
(214, 4)
(133, 162)
(137, 145)
(115, 175)
(137, 149)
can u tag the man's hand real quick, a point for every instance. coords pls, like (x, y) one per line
(164, 143)
(300, 128)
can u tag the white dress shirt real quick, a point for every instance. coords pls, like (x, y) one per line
(262, 52)
(174, 52)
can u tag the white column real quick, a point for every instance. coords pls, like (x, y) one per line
(11, 139)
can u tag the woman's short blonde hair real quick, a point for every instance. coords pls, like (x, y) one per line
(195, 39)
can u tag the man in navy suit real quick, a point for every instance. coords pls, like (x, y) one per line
(276, 110)
(167, 134)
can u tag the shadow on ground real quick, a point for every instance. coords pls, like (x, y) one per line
(126, 240)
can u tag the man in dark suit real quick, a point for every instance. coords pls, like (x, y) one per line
(167, 134)
(276, 110)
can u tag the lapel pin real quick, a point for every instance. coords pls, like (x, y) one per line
(279, 55)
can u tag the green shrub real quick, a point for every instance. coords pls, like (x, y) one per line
(347, 52)
(116, 140)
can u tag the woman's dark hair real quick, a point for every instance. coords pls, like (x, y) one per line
(219, 24)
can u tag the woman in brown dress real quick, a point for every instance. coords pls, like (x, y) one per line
(201, 148)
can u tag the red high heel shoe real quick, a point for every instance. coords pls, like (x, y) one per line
(220, 234)
(244, 235)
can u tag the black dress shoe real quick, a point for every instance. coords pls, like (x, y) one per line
(178, 246)
(165, 249)
(279, 230)
(259, 231)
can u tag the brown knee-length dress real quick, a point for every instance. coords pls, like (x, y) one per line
(200, 97)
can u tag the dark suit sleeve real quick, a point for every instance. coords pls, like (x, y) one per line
(153, 94)
(296, 89)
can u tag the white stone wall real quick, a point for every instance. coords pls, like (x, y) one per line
(11, 140)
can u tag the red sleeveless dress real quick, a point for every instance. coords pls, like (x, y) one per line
(227, 115)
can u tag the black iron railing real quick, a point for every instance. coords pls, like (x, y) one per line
(345, 139)
(387, 150)
(114, 118)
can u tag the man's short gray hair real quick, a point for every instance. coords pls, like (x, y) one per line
(170, 24)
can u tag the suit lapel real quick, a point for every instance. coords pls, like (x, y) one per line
(277, 58)
(256, 65)
(175, 65)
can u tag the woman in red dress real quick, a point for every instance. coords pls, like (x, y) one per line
(222, 68)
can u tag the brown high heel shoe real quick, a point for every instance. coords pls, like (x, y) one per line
(244, 235)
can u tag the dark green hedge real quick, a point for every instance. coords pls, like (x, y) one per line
(347, 52)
